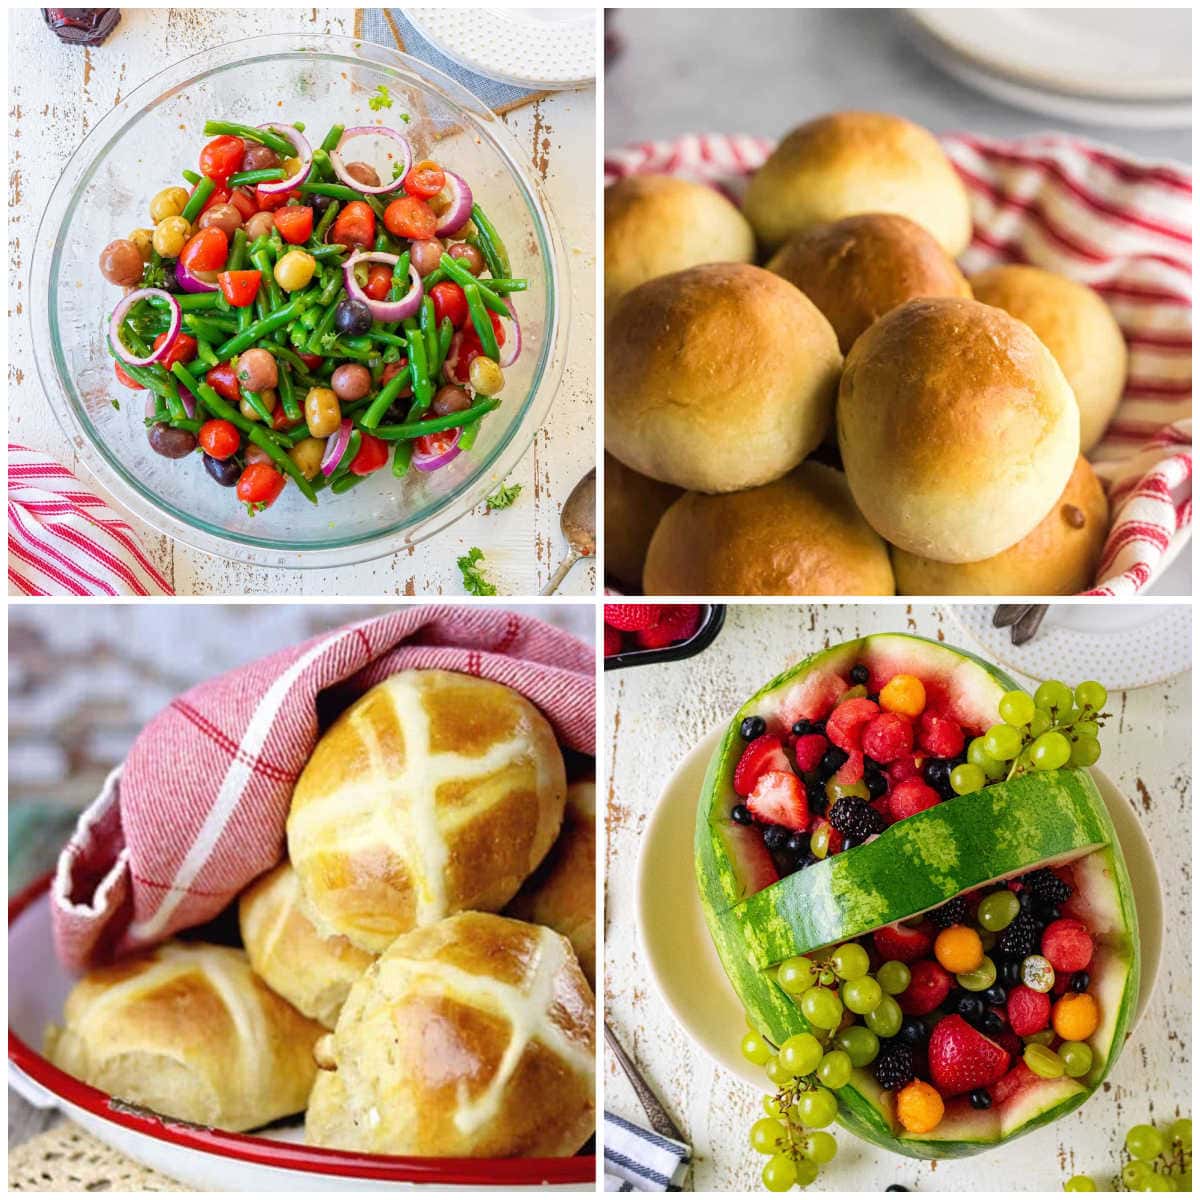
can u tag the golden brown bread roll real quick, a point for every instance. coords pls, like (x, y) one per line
(799, 536)
(434, 792)
(1076, 326)
(561, 893)
(473, 1037)
(957, 429)
(189, 1031)
(859, 268)
(1058, 557)
(656, 224)
(312, 972)
(717, 378)
(633, 504)
(848, 163)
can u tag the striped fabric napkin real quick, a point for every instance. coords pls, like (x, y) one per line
(1119, 225)
(199, 808)
(640, 1160)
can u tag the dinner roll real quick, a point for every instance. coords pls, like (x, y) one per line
(189, 1031)
(1076, 326)
(859, 268)
(312, 972)
(957, 429)
(718, 378)
(434, 792)
(474, 1037)
(848, 163)
(1058, 558)
(561, 893)
(656, 224)
(799, 536)
(633, 504)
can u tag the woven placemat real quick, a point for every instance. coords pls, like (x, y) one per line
(66, 1159)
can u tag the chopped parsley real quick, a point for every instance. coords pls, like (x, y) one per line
(381, 99)
(397, 169)
(503, 497)
(473, 580)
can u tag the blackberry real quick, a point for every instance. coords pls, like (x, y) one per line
(1080, 981)
(775, 837)
(802, 727)
(832, 761)
(818, 801)
(1045, 912)
(953, 912)
(1045, 886)
(980, 1098)
(855, 818)
(894, 1066)
(859, 674)
(1020, 939)
(752, 727)
(742, 815)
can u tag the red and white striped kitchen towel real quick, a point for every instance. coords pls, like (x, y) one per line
(1119, 225)
(63, 541)
(200, 806)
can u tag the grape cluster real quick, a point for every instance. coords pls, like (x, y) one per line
(1054, 728)
(1159, 1160)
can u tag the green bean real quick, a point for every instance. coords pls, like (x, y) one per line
(262, 306)
(436, 276)
(401, 459)
(189, 424)
(401, 276)
(316, 342)
(265, 175)
(327, 219)
(193, 300)
(267, 137)
(491, 245)
(245, 316)
(298, 126)
(418, 363)
(360, 342)
(386, 398)
(299, 370)
(191, 177)
(339, 191)
(259, 329)
(482, 322)
(238, 252)
(162, 386)
(346, 483)
(210, 328)
(377, 206)
(269, 282)
(333, 250)
(191, 210)
(204, 352)
(503, 286)
(388, 339)
(332, 138)
(322, 167)
(330, 292)
(416, 429)
(257, 403)
(429, 332)
(465, 279)
(339, 349)
(445, 337)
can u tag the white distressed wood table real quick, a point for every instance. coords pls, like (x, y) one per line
(58, 92)
(655, 714)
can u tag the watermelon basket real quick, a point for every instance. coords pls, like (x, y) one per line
(1055, 819)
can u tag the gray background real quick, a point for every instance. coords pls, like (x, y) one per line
(762, 71)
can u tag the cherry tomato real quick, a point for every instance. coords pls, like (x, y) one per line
(379, 281)
(243, 200)
(183, 349)
(260, 484)
(223, 380)
(206, 250)
(280, 419)
(408, 217)
(219, 196)
(425, 180)
(222, 157)
(372, 455)
(355, 226)
(449, 300)
(128, 380)
(270, 201)
(464, 349)
(219, 439)
(295, 224)
(391, 371)
(435, 443)
(239, 287)
(311, 361)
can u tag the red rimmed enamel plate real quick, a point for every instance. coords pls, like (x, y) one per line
(210, 1159)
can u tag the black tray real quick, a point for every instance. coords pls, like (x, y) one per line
(712, 617)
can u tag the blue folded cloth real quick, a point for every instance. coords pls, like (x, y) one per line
(640, 1160)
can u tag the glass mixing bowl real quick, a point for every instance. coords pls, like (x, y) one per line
(141, 147)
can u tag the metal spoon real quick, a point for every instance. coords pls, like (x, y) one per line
(578, 523)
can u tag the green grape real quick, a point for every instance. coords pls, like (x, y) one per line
(1091, 695)
(827, 977)
(1136, 1175)
(822, 1008)
(800, 1054)
(859, 1043)
(998, 910)
(1054, 696)
(834, 791)
(1016, 708)
(772, 1107)
(806, 1172)
(987, 939)
(886, 1019)
(817, 1108)
(894, 977)
(819, 844)
(979, 756)
(1159, 1183)
(850, 961)
(1085, 751)
(1042, 721)
(755, 1049)
(1183, 1181)
(1041, 1060)
(796, 975)
(1050, 752)
(1002, 742)
(1078, 1058)
(777, 1073)
(835, 1068)
(861, 995)
(821, 1147)
(766, 1135)
(779, 1175)
(1145, 1142)
(1181, 1131)
(1087, 729)
(967, 778)
(1080, 1183)
(980, 979)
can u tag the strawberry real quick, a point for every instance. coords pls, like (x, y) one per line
(761, 755)
(1028, 1011)
(904, 943)
(939, 736)
(851, 771)
(961, 1059)
(887, 738)
(629, 618)
(779, 799)
(612, 641)
(676, 623)
(1068, 945)
(928, 988)
(911, 797)
(845, 724)
(809, 750)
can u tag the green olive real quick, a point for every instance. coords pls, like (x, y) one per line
(295, 270)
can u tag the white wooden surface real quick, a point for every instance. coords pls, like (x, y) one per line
(655, 714)
(56, 95)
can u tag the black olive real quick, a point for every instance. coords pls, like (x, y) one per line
(224, 470)
(319, 203)
(352, 318)
(752, 727)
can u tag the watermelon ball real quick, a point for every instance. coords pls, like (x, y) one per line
(1068, 945)
(903, 694)
(940, 736)
(1028, 1011)
(887, 738)
(911, 797)
(928, 987)
(845, 724)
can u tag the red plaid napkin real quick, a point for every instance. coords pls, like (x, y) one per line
(200, 806)
(1119, 225)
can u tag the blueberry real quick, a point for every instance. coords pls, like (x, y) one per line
(818, 801)
(1080, 981)
(877, 783)
(833, 760)
(1010, 972)
(969, 1007)
(1026, 899)
(817, 727)
(742, 815)
(913, 1031)
(996, 995)
(752, 727)
(937, 774)
(775, 837)
(848, 843)
(797, 844)
(895, 1187)
(991, 1023)
(980, 1098)
(1046, 912)
(859, 674)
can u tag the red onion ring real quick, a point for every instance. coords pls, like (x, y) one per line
(335, 448)
(459, 212)
(339, 167)
(193, 281)
(118, 319)
(425, 461)
(386, 311)
(303, 153)
(512, 344)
